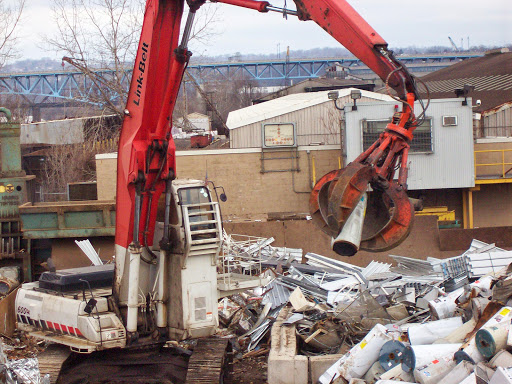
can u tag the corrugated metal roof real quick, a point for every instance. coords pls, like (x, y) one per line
(491, 75)
(481, 83)
(287, 104)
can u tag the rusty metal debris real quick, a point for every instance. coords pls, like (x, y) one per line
(18, 362)
(421, 321)
(385, 323)
(9, 280)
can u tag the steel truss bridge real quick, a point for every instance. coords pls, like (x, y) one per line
(51, 89)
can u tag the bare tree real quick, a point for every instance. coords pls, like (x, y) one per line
(227, 96)
(99, 34)
(104, 34)
(205, 27)
(95, 35)
(64, 164)
(10, 16)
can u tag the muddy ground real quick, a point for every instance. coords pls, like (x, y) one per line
(251, 370)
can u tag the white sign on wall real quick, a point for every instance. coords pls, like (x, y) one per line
(279, 135)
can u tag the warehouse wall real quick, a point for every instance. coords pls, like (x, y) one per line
(319, 123)
(249, 191)
(493, 205)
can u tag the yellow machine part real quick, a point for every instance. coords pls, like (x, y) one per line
(442, 213)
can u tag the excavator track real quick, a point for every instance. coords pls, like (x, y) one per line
(157, 364)
(210, 362)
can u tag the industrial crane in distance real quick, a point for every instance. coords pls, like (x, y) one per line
(164, 286)
(455, 48)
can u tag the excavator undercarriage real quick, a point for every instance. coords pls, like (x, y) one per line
(209, 362)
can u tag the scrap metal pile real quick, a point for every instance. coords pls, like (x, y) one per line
(422, 321)
(18, 361)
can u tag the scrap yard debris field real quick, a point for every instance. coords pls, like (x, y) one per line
(179, 299)
(326, 321)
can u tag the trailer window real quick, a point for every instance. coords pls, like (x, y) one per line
(421, 142)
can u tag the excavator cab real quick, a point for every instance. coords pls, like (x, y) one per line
(198, 203)
(56, 307)
(196, 238)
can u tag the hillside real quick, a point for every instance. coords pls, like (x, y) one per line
(46, 64)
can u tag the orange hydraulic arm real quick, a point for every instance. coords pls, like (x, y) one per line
(335, 196)
(146, 157)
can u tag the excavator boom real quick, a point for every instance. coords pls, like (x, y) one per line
(146, 156)
(165, 277)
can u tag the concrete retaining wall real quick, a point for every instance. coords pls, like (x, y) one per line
(250, 192)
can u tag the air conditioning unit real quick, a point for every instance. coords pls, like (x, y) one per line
(449, 121)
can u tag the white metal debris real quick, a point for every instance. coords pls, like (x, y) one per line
(90, 252)
(430, 308)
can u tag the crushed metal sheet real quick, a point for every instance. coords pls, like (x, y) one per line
(24, 371)
(375, 268)
(258, 245)
(258, 333)
(89, 251)
(450, 268)
(413, 267)
(480, 264)
(294, 318)
(336, 264)
(306, 287)
(276, 294)
(478, 246)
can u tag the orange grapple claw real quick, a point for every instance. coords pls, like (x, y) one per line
(389, 214)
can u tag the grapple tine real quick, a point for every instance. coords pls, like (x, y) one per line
(389, 214)
(345, 192)
(317, 209)
(397, 228)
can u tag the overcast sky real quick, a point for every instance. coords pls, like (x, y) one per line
(401, 23)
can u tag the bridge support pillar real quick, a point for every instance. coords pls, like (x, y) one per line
(36, 114)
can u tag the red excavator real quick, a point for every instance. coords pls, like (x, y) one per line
(164, 285)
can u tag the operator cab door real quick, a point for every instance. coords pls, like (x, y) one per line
(199, 214)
